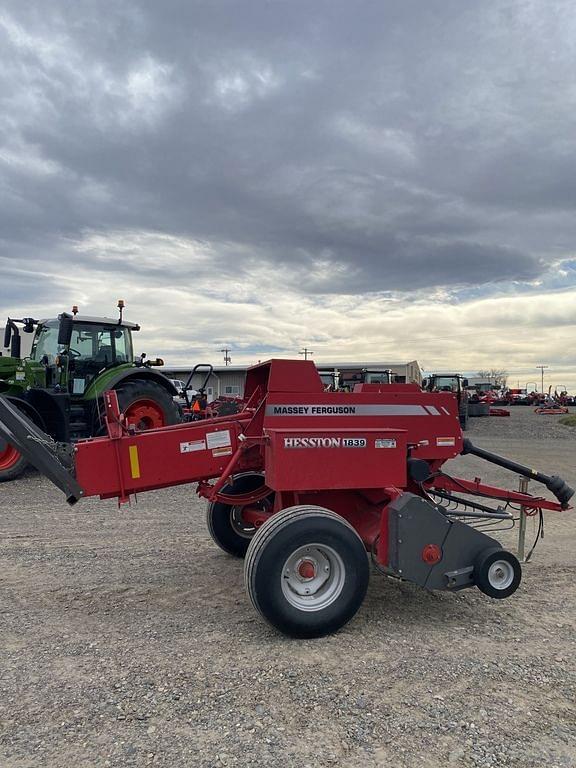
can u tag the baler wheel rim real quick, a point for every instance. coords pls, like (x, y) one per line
(275, 543)
(322, 587)
(497, 573)
(239, 526)
(501, 574)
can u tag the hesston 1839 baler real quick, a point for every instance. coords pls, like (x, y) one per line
(306, 484)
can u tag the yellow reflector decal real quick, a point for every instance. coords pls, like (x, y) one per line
(134, 463)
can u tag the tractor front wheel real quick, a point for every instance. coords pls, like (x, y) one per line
(147, 404)
(12, 463)
(306, 571)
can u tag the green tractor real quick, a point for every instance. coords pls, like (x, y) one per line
(73, 361)
(451, 382)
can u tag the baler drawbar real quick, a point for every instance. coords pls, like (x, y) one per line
(305, 484)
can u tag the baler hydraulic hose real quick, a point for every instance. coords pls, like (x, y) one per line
(555, 484)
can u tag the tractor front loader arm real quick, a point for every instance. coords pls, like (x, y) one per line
(54, 460)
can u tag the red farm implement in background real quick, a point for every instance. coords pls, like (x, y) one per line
(551, 410)
(305, 484)
(502, 412)
(197, 406)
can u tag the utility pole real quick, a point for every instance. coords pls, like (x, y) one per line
(227, 358)
(542, 367)
(305, 352)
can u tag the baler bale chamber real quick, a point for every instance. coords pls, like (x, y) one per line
(309, 486)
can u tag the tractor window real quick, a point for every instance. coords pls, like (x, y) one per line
(446, 383)
(82, 342)
(122, 345)
(102, 345)
(377, 377)
(46, 343)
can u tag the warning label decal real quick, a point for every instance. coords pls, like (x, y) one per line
(218, 439)
(193, 445)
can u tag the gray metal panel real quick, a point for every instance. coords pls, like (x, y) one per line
(232, 379)
(461, 549)
(413, 523)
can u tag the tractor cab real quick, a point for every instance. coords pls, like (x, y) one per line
(455, 383)
(447, 382)
(75, 349)
(373, 376)
(346, 381)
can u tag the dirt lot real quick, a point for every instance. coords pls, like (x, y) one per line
(127, 640)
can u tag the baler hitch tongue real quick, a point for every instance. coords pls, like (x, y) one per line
(555, 484)
(54, 460)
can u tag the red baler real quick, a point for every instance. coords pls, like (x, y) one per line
(307, 485)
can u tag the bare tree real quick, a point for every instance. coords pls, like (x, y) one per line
(499, 375)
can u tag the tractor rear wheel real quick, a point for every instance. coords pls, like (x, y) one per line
(225, 523)
(146, 404)
(12, 463)
(306, 571)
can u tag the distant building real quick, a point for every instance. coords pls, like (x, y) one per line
(228, 380)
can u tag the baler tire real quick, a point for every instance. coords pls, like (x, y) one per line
(280, 549)
(223, 526)
(486, 576)
(135, 391)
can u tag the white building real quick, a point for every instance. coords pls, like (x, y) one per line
(229, 380)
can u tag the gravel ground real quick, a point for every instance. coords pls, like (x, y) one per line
(128, 640)
(522, 424)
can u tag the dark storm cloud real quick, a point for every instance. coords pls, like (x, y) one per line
(15, 288)
(373, 146)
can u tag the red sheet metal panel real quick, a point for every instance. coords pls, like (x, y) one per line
(283, 376)
(319, 459)
(430, 418)
(156, 458)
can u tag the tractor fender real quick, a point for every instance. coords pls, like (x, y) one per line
(142, 373)
(28, 410)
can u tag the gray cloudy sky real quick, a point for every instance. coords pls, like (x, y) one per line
(377, 180)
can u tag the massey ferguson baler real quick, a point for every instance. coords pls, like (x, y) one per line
(309, 485)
